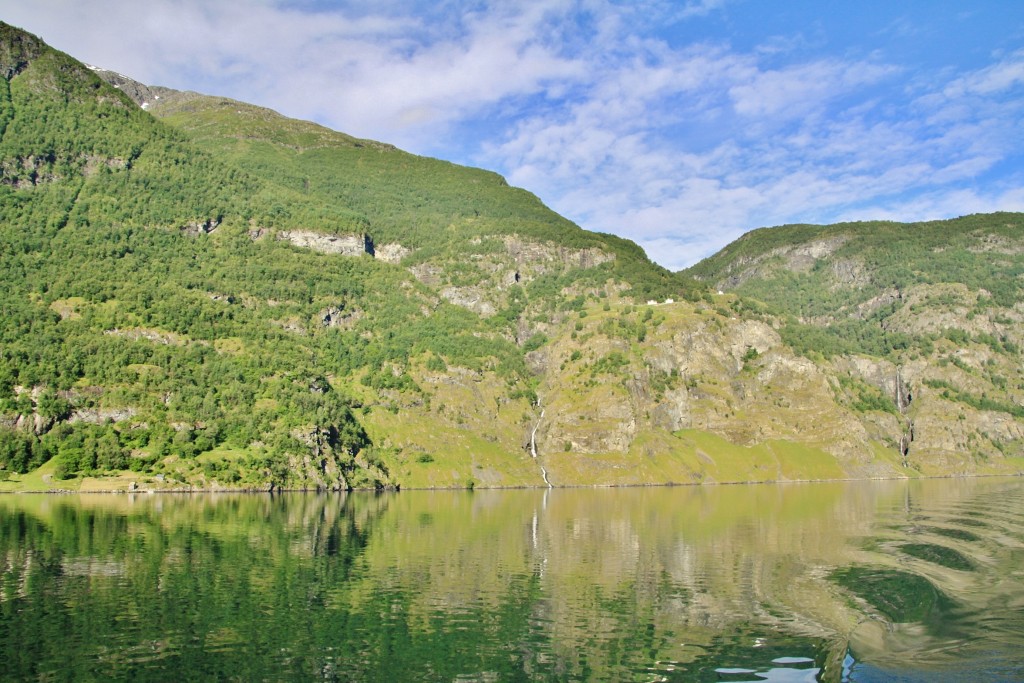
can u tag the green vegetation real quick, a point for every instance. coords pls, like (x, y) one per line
(894, 255)
(846, 286)
(149, 320)
(845, 337)
(174, 313)
(434, 208)
(951, 393)
(867, 398)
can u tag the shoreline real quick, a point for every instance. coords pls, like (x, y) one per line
(540, 487)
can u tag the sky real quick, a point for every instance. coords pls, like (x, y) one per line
(679, 124)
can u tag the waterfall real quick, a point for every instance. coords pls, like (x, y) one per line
(533, 435)
(533, 447)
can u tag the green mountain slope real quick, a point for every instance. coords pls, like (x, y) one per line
(196, 292)
(424, 209)
(938, 301)
(882, 287)
(178, 303)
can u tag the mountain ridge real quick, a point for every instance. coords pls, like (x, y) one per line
(204, 294)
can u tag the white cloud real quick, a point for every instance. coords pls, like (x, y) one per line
(613, 161)
(794, 91)
(370, 75)
(700, 8)
(993, 79)
(815, 141)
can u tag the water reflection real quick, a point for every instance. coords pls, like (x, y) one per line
(852, 581)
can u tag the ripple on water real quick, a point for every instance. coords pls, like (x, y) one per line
(744, 656)
(898, 595)
(938, 554)
(959, 534)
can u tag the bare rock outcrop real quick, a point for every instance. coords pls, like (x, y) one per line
(391, 252)
(798, 258)
(200, 227)
(17, 50)
(344, 245)
(473, 298)
(542, 256)
(101, 415)
(338, 316)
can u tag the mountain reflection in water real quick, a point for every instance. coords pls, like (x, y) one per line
(860, 581)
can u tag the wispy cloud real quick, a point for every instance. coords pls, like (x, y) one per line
(816, 141)
(1000, 77)
(700, 8)
(397, 74)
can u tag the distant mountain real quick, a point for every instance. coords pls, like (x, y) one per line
(201, 293)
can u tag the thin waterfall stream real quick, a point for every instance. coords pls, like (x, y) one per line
(533, 447)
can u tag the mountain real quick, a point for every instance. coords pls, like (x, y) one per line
(928, 313)
(201, 293)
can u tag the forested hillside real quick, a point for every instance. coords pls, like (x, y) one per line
(200, 293)
(171, 298)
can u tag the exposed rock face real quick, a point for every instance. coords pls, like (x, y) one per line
(293, 325)
(486, 277)
(197, 228)
(156, 336)
(885, 298)
(23, 172)
(737, 379)
(674, 412)
(391, 253)
(33, 422)
(473, 298)
(94, 164)
(849, 273)
(691, 350)
(335, 316)
(143, 95)
(427, 273)
(797, 258)
(344, 245)
(102, 415)
(940, 429)
(541, 256)
(330, 317)
(929, 309)
(318, 463)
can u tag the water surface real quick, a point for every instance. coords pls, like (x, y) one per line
(866, 581)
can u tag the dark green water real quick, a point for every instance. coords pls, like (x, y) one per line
(872, 581)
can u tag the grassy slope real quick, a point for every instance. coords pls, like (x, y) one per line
(430, 206)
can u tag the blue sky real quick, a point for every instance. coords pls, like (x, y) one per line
(678, 124)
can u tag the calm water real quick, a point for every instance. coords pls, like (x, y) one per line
(855, 581)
